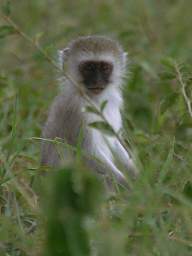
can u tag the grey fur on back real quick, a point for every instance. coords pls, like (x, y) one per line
(64, 121)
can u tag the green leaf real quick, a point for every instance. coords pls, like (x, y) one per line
(149, 68)
(103, 126)
(6, 8)
(91, 109)
(188, 190)
(103, 105)
(6, 31)
(168, 75)
(167, 164)
(168, 63)
(66, 208)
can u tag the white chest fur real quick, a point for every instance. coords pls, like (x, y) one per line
(101, 142)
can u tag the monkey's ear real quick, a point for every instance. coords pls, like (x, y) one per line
(62, 56)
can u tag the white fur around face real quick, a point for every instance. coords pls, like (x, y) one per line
(74, 61)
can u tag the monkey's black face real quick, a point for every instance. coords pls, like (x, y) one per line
(96, 75)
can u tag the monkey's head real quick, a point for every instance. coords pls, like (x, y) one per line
(95, 62)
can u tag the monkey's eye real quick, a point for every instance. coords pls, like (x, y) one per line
(106, 67)
(90, 67)
(86, 67)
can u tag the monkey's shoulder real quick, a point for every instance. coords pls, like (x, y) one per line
(64, 119)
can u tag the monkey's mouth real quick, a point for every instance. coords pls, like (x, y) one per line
(96, 90)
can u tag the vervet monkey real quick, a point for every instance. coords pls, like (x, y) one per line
(97, 64)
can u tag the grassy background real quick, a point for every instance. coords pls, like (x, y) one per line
(156, 218)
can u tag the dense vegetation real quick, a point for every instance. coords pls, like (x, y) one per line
(70, 216)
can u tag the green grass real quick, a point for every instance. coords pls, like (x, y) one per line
(156, 217)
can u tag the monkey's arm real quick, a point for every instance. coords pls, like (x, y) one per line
(60, 124)
(124, 159)
(111, 169)
(49, 154)
(51, 130)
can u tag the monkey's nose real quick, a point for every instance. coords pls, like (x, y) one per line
(95, 81)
